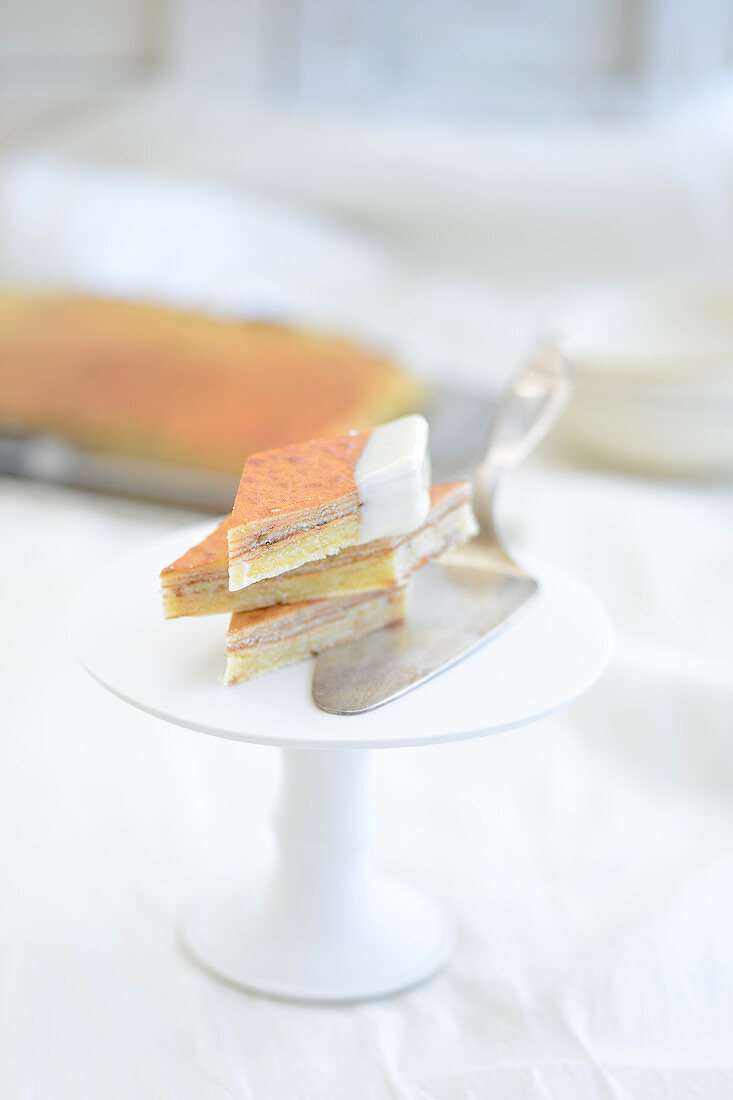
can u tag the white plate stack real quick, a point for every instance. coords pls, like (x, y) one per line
(654, 376)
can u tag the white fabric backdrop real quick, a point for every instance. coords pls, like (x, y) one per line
(589, 858)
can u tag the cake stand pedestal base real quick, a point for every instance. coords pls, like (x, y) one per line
(324, 925)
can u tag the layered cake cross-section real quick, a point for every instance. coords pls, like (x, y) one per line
(197, 583)
(302, 503)
(261, 641)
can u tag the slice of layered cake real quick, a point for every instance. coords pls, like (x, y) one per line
(272, 637)
(302, 503)
(197, 583)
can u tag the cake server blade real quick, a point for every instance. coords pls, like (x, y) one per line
(475, 591)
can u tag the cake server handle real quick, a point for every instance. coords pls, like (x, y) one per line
(528, 408)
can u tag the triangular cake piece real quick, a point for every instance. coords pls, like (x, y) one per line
(198, 584)
(261, 641)
(301, 503)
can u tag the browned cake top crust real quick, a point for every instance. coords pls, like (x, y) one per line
(213, 551)
(250, 620)
(290, 484)
(163, 384)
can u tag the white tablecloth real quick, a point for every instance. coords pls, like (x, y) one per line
(589, 858)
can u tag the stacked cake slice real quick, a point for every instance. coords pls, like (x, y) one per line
(320, 545)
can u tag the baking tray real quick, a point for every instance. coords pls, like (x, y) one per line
(458, 421)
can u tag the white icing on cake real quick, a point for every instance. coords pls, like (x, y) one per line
(393, 479)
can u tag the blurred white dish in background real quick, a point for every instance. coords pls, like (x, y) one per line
(654, 375)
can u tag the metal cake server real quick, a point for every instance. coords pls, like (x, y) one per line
(474, 591)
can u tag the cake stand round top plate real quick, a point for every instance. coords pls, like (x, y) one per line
(173, 668)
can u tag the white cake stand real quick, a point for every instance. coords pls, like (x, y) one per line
(325, 925)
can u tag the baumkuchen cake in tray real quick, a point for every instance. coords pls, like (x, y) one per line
(167, 386)
(320, 545)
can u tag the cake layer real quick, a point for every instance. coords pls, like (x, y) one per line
(261, 641)
(301, 503)
(162, 384)
(283, 496)
(197, 583)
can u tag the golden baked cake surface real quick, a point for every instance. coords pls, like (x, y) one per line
(286, 488)
(208, 555)
(167, 385)
(294, 504)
